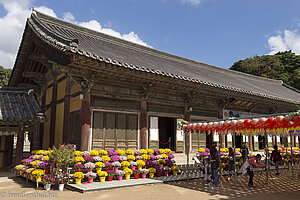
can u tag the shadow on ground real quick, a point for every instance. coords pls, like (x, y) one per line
(284, 186)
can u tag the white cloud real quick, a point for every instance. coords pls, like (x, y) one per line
(14, 23)
(288, 40)
(192, 2)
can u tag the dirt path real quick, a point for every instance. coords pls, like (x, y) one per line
(281, 187)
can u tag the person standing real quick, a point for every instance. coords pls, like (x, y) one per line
(248, 168)
(215, 164)
(231, 161)
(276, 157)
(245, 152)
(207, 171)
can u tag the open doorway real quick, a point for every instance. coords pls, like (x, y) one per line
(261, 142)
(167, 131)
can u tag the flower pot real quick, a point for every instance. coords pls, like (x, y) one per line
(127, 176)
(98, 170)
(158, 174)
(136, 176)
(77, 181)
(107, 169)
(110, 178)
(88, 170)
(175, 173)
(90, 180)
(140, 168)
(47, 187)
(78, 170)
(166, 173)
(132, 168)
(116, 169)
(151, 175)
(38, 179)
(143, 175)
(120, 177)
(102, 179)
(61, 187)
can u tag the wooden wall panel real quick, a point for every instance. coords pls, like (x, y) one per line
(61, 89)
(49, 95)
(75, 104)
(59, 124)
(46, 135)
(75, 88)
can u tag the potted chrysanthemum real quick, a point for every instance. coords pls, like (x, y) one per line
(91, 176)
(99, 166)
(116, 165)
(136, 174)
(78, 167)
(102, 175)
(130, 158)
(144, 172)
(151, 172)
(120, 174)
(110, 175)
(78, 176)
(120, 152)
(166, 170)
(89, 166)
(125, 164)
(133, 165)
(108, 166)
(128, 172)
(140, 164)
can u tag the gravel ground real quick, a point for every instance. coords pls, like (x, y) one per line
(279, 187)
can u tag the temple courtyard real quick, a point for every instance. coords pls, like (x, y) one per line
(280, 187)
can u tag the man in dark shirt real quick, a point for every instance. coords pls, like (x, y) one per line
(276, 157)
(215, 164)
(245, 152)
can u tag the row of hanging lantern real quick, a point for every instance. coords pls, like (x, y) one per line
(279, 125)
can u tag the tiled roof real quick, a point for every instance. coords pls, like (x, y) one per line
(19, 105)
(70, 37)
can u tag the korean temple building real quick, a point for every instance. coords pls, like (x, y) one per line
(102, 92)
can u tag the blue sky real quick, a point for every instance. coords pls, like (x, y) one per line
(217, 32)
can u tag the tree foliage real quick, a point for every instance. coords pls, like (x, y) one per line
(283, 66)
(4, 76)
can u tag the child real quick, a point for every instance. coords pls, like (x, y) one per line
(276, 157)
(207, 171)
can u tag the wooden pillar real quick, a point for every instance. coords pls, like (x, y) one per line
(273, 140)
(8, 152)
(143, 125)
(66, 111)
(221, 136)
(20, 145)
(41, 128)
(53, 110)
(250, 144)
(292, 141)
(85, 119)
(187, 117)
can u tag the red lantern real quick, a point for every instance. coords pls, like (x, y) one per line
(184, 127)
(279, 119)
(228, 124)
(234, 122)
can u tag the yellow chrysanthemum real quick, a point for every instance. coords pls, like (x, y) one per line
(168, 151)
(201, 150)
(78, 175)
(125, 164)
(34, 152)
(129, 152)
(150, 151)
(130, 157)
(102, 174)
(77, 153)
(38, 172)
(35, 162)
(127, 171)
(46, 158)
(120, 152)
(99, 165)
(78, 159)
(46, 153)
(140, 163)
(143, 151)
(102, 153)
(175, 168)
(152, 170)
(161, 161)
(94, 153)
(162, 151)
(40, 152)
(164, 156)
(146, 157)
(105, 159)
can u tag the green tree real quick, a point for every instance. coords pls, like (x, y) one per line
(4, 76)
(283, 66)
